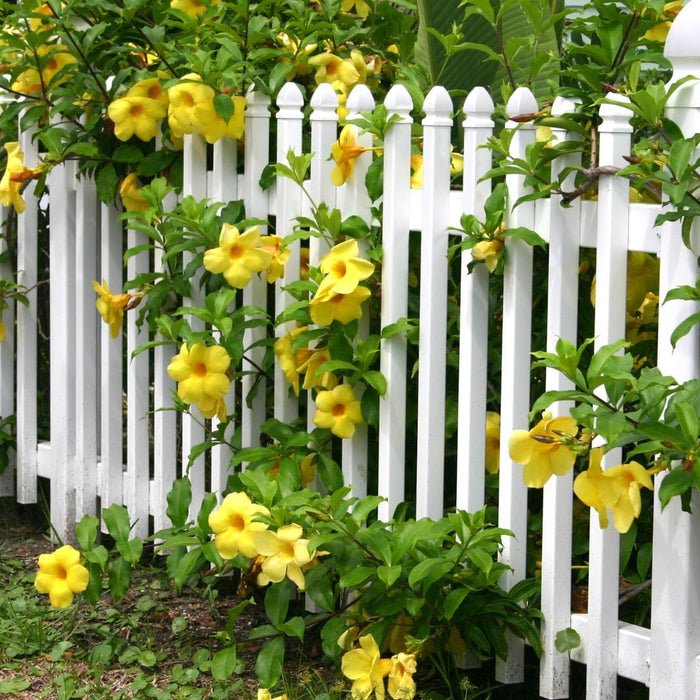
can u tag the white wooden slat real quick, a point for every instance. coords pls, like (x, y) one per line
(562, 309)
(324, 132)
(7, 361)
(675, 638)
(611, 280)
(194, 183)
(395, 232)
(288, 206)
(224, 188)
(515, 375)
(26, 334)
(432, 343)
(353, 200)
(62, 348)
(257, 144)
(86, 357)
(110, 473)
(474, 309)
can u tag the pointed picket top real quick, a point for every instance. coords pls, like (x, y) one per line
(398, 101)
(290, 100)
(522, 102)
(478, 108)
(615, 116)
(257, 103)
(682, 39)
(437, 107)
(360, 100)
(564, 105)
(324, 102)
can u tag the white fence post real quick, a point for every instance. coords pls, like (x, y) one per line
(473, 309)
(395, 233)
(675, 636)
(515, 373)
(562, 316)
(26, 337)
(432, 343)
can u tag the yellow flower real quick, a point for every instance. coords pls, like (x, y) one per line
(264, 694)
(112, 306)
(286, 553)
(417, 171)
(150, 88)
(310, 367)
(61, 575)
(541, 450)
(15, 175)
(37, 23)
(646, 315)
(345, 152)
(308, 470)
(237, 257)
(296, 54)
(183, 98)
(360, 7)
(133, 115)
(339, 307)
(200, 372)
(130, 194)
(330, 68)
(272, 245)
(493, 441)
(52, 62)
(660, 31)
(3, 331)
(366, 669)
(290, 362)
(192, 8)
(489, 252)
(235, 525)
(211, 126)
(401, 685)
(210, 407)
(339, 410)
(616, 489)
(343, 270)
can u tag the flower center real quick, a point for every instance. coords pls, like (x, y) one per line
(338, 410)
(52, 65)
(237, 523)
(199, 370)
(154, 92)
(187, 99)
(61, 573)
(287, 550)
(136, 110)
(339, 269)
(236, 252)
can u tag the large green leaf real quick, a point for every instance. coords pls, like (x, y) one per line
(463, 70)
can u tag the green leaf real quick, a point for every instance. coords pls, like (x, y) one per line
(223, 104)
(357, 576)
(106, 183)
(688, 420)
(179, 499)
(224, 663)
(683, 328)
(389, 574)
(131, 550)
(566, 640)
(119, 578)
(675, 483)
(86, 531)
(294, 627)
(329, 472)
(428, 571)
(453, 600)
(270, 661)
(116, 518)
(277, 602)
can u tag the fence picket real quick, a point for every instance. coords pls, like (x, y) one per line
(515, 373)
(395, 233)
(432, 344)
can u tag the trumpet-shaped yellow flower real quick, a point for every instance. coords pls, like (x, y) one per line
(211, 406)
(133, 115)
(330, 68)
(401, 685)
(15, 175)
(52, 60)
(493, 442)
(659, 32)
(61, 575)
(489, 252)
(264, 694)
(200, 372)
(290, 361)
(235, 525)
(272, 245)
(360, 7)
(542, 451)
(192, 8)
(183, 98)
(286, 553)
(151, 89)
(366, 669)
(456, 167)
(130, 194)
(338, 307)
(345, 152)
(112, 306)
(237, 256)
(616, 489)
(310, 367)
(343, 270)
(212, 127)
(339, 410)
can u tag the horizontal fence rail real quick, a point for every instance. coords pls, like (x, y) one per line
(109, 442)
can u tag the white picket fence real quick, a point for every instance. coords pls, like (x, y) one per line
(106, 442)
